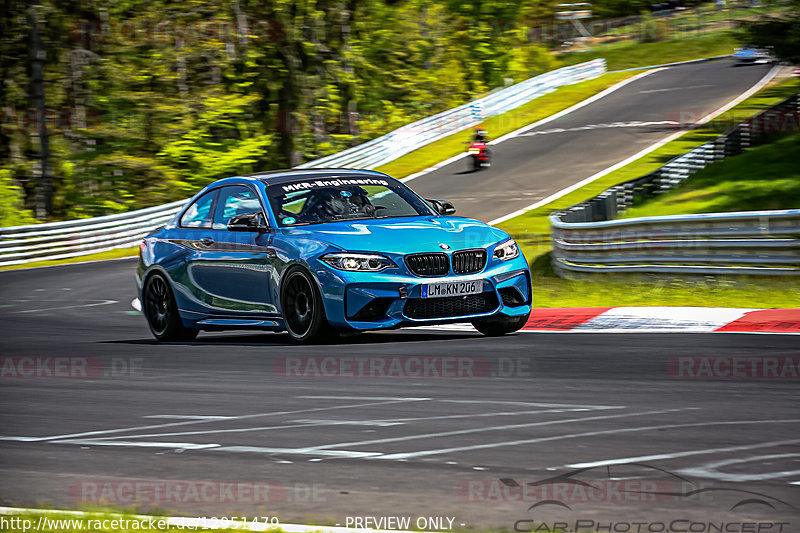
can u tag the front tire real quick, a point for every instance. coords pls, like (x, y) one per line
(303, 310)
(161, 311)
(493, 327)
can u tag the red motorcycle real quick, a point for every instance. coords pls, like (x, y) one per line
(478, 155)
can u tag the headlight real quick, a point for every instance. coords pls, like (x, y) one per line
(358, 262)
(506, 251)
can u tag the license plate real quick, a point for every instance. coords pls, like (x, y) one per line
(455, 288)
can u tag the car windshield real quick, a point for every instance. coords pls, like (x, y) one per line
(317, 201)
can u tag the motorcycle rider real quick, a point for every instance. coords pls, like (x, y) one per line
(481, 136)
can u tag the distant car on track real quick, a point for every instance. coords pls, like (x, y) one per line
(749, 54)
(314, 252)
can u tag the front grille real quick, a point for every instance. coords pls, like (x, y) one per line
(469, 261)
(434, 264)
(451, 306)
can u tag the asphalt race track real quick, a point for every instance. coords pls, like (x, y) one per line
(542, 161)
(405, 423)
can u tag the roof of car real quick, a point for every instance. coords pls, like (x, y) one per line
(283, 176)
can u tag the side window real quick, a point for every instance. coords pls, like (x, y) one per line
(235, 200)
(199, 213)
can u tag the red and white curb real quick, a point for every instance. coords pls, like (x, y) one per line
(647, 320)
(657, 320)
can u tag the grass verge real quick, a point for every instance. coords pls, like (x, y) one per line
(640, 290)
(116, 253)
(765, 177)
(631, 54)
(532, 232)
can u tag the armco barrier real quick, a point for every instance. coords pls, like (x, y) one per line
(753, 242)
(587, 239)
(75, 238)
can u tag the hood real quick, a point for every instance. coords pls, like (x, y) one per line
(403, 235)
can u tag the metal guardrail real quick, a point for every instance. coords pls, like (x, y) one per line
(587, 239)
(75, 238)
(758, 242)
(412, 136)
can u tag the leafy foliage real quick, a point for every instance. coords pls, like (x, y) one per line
(780, 33)
(146, 101)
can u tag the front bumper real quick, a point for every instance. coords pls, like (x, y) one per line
(364, 301)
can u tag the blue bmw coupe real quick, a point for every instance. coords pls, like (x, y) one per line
(316, 252)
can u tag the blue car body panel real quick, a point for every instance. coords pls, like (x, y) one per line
(752, 55)
(232, 279)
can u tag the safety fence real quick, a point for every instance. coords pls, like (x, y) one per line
(74, 238)
(586, 238)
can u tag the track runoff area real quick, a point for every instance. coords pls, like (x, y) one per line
(662, 430)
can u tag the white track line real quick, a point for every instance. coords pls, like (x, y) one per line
(302, 425)
(190, 417)
(675, 455)
(602, 126)
(555, 196)
(96, 304)
(297, 424)
(313, 423)
(481, 415)
(490, 428)
(710, 470)
(536, 404)
(390, 398)
(137, 444)
(348, 454)
(545, 120)
(190, 422)
(590, 100)
(409, 455)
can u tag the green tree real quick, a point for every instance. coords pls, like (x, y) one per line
(781, 33)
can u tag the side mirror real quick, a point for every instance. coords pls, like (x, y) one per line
(443, 207)
(248, 222)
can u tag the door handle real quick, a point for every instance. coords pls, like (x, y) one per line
(207, 241)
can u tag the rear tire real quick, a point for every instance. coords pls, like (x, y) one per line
(493, 327)
(161, 311)
(303, 310)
